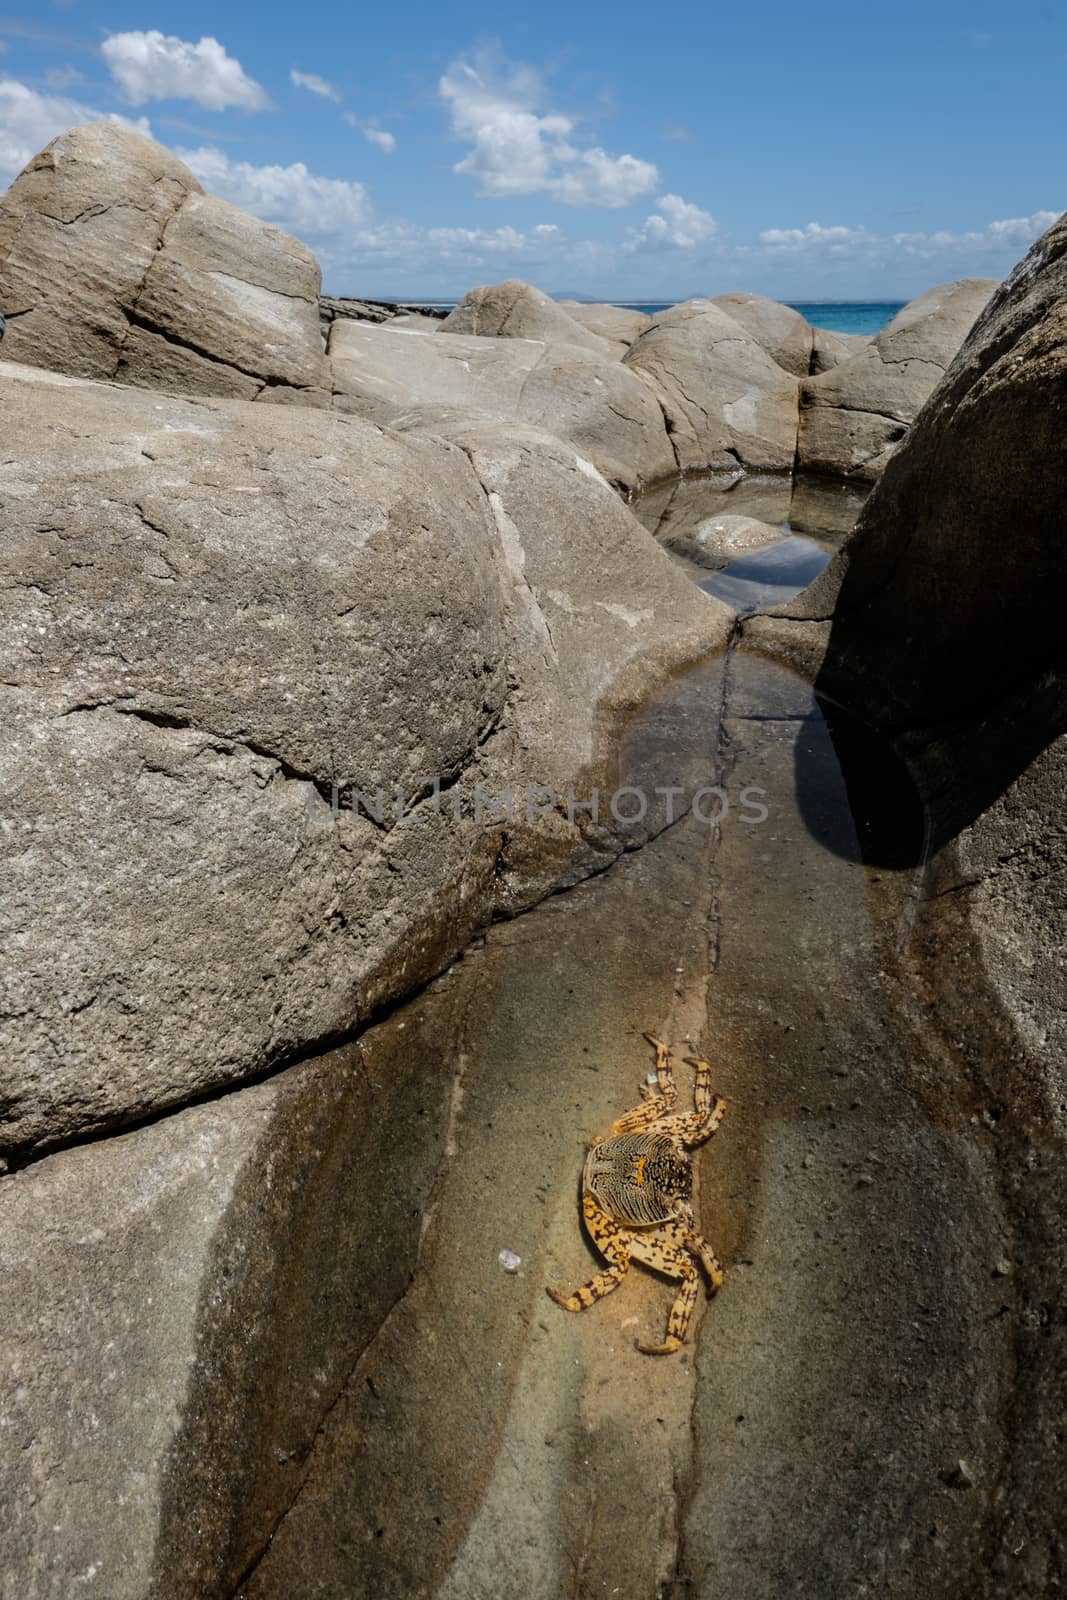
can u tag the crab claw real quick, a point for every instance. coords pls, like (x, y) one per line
(667, 1348)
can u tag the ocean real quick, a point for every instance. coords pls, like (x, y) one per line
(838, 316)
(845, 316)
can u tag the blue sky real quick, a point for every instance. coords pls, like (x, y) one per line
(824, 151)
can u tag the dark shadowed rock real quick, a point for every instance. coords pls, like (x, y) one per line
(853, 417)
(941, 622)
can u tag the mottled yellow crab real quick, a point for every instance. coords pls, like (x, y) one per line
(636, 1193)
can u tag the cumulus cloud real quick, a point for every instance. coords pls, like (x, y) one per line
(158, 66)
(517, 148)
(675, 223)
(314, 84)
(29, 121)
(310, 206)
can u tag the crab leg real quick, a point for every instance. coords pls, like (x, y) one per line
(613, 1244)
(665, 1083)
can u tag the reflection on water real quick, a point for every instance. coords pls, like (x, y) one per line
(679, 513)
(769, 576)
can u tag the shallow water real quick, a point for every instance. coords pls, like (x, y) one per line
(769, 576)
(492, 1442)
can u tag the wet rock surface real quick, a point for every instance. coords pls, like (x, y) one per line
(862, 1345)
(972, 506)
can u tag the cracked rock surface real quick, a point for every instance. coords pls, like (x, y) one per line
(853, 416)
(591, 401)
(210, 615)
(114, 263)
(726, 402)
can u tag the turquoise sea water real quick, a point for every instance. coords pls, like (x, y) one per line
(839, 316)
(847, 316)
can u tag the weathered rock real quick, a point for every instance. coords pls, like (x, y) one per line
(830, 349)
(617, 324)
(378, 373)
(595, 404)
(853, 417)
(715, 541)
(516, 310)
(186, 678)
(184, 1303)
(725, 401)
(114, 263)
(235, 290)
(785, 335)
(79, 229)
(941, 623)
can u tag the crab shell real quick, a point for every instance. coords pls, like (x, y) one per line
(639, 1178)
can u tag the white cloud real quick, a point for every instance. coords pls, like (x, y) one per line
(314, 84)
(370, 130)
(1012, 233)
(384, 140)
(157, 66)
(516, 149)
(675, 223)
(29, 121)
(307, 205)
(1022, 231)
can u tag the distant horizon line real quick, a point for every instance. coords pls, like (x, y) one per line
(607, 300)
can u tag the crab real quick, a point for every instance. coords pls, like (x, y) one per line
(637, 1190)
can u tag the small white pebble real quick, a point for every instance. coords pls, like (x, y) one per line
(509, 1260)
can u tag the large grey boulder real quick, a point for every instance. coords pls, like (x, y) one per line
(725, 400)
(593, 403)
(617, 324)
(785, 335)
(830, 349)
(114, 263)
(213, 616)
(941, 624)
(853, 416)
(516, 310)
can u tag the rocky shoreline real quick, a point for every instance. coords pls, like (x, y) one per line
(421, 575)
